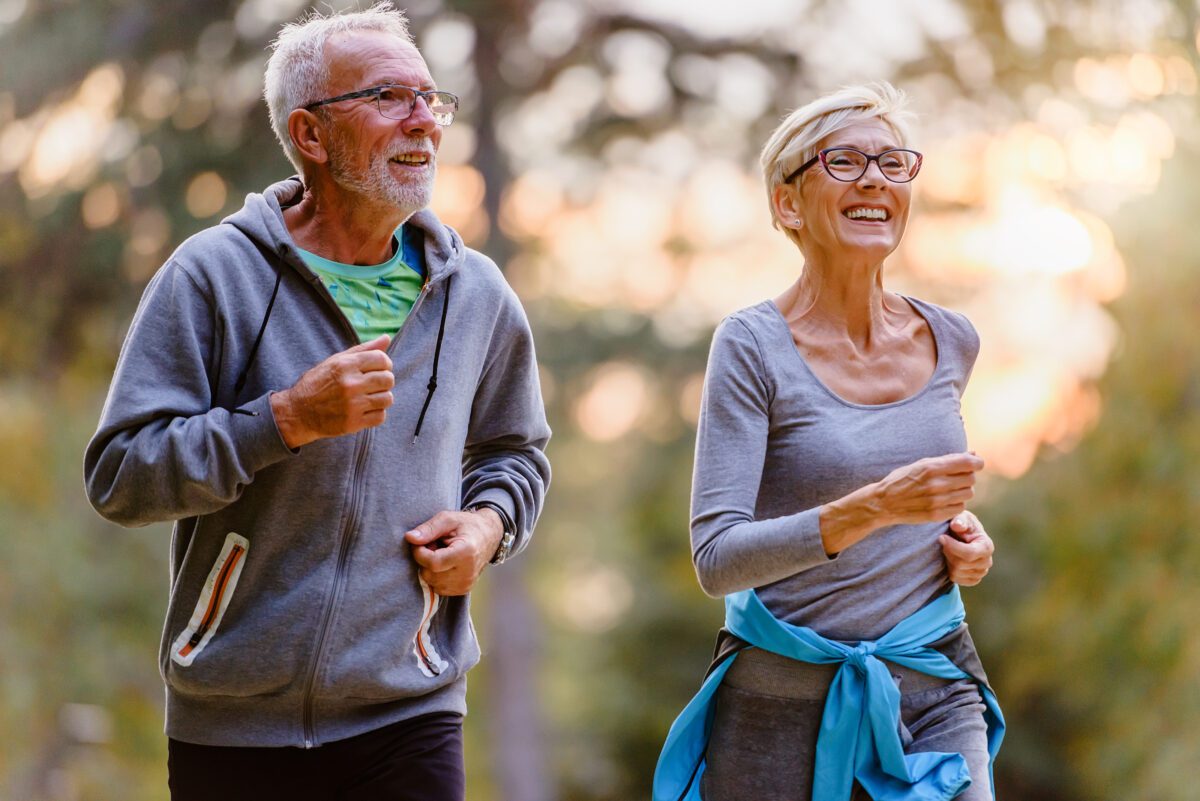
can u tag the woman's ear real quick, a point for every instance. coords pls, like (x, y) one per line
(786, 201)
(307, 135)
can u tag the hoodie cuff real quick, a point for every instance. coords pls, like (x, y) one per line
(260, 443)
(497, 496)
(505, 501)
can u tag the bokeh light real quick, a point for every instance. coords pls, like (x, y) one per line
(614, 398)
(206, 195)
(592, 598)
(101, 206)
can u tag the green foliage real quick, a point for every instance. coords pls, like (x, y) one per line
(1087, 622)
(82, 605)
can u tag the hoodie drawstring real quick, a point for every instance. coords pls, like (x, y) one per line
(437, 354)
(241, 380)
(431, 387)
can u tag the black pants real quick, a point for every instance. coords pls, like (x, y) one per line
(415, 760)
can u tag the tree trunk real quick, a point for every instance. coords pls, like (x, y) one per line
(513, 641)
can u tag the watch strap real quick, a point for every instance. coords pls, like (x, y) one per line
(509, 536)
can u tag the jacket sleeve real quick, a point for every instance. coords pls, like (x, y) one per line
(732, 551)
(161, 451)
(504, 460)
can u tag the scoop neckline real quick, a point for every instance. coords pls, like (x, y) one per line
(916, 306)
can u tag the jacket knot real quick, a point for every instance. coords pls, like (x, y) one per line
(858, 657)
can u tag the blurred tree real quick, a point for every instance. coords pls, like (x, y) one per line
(112, 112)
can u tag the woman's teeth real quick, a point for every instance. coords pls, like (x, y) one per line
(860, 213)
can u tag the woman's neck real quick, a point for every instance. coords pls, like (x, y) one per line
(837, 299)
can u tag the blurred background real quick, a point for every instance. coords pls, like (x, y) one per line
(606, 158)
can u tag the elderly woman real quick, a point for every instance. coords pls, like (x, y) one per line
(828, 506)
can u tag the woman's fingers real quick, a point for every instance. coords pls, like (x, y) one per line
(966, 524)
(967, 562)
(932, 489)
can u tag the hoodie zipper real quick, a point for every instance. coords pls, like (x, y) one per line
(310, 735)
(347, 538)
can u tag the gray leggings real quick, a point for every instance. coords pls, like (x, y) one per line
(768, 714)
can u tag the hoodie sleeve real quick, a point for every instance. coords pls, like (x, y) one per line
(504, 460)
(161, 451)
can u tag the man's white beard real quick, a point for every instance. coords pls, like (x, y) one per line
(378, 184)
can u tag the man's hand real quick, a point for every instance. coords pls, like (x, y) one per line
(969, 551)
(452, 548)
(347, 392)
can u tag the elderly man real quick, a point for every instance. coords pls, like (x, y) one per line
(337, 402)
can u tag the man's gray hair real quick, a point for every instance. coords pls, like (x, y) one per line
(297, 73)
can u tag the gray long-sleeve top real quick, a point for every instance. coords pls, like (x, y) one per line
(775, 443)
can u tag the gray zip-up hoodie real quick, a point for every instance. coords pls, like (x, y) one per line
(296, 615)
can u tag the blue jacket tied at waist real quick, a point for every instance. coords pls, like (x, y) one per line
(859, 736)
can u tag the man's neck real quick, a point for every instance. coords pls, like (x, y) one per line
(343, 229)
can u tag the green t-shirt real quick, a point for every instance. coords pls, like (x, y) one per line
(376, 299)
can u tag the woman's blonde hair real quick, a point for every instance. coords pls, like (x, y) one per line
(795, 140)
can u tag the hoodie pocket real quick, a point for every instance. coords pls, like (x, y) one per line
(428, 659)
(214, 600)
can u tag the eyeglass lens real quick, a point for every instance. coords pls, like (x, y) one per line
(396, 102)
(850, 165)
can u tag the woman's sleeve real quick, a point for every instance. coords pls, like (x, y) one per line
(731, 550)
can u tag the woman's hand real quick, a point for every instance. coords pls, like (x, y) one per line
(968, 550)
(929, 490)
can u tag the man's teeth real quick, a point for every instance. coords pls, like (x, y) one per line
(411, 158)
(866, 214)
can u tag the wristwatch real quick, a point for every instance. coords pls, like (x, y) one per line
(508, 538)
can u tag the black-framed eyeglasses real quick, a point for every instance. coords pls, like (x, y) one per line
(396, 102)
(898, 165)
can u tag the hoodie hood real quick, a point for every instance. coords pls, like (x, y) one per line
(261, 219)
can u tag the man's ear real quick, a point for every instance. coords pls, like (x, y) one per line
(786, 202)
(307, 135)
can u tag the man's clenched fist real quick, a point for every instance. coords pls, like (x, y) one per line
(347, 392)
